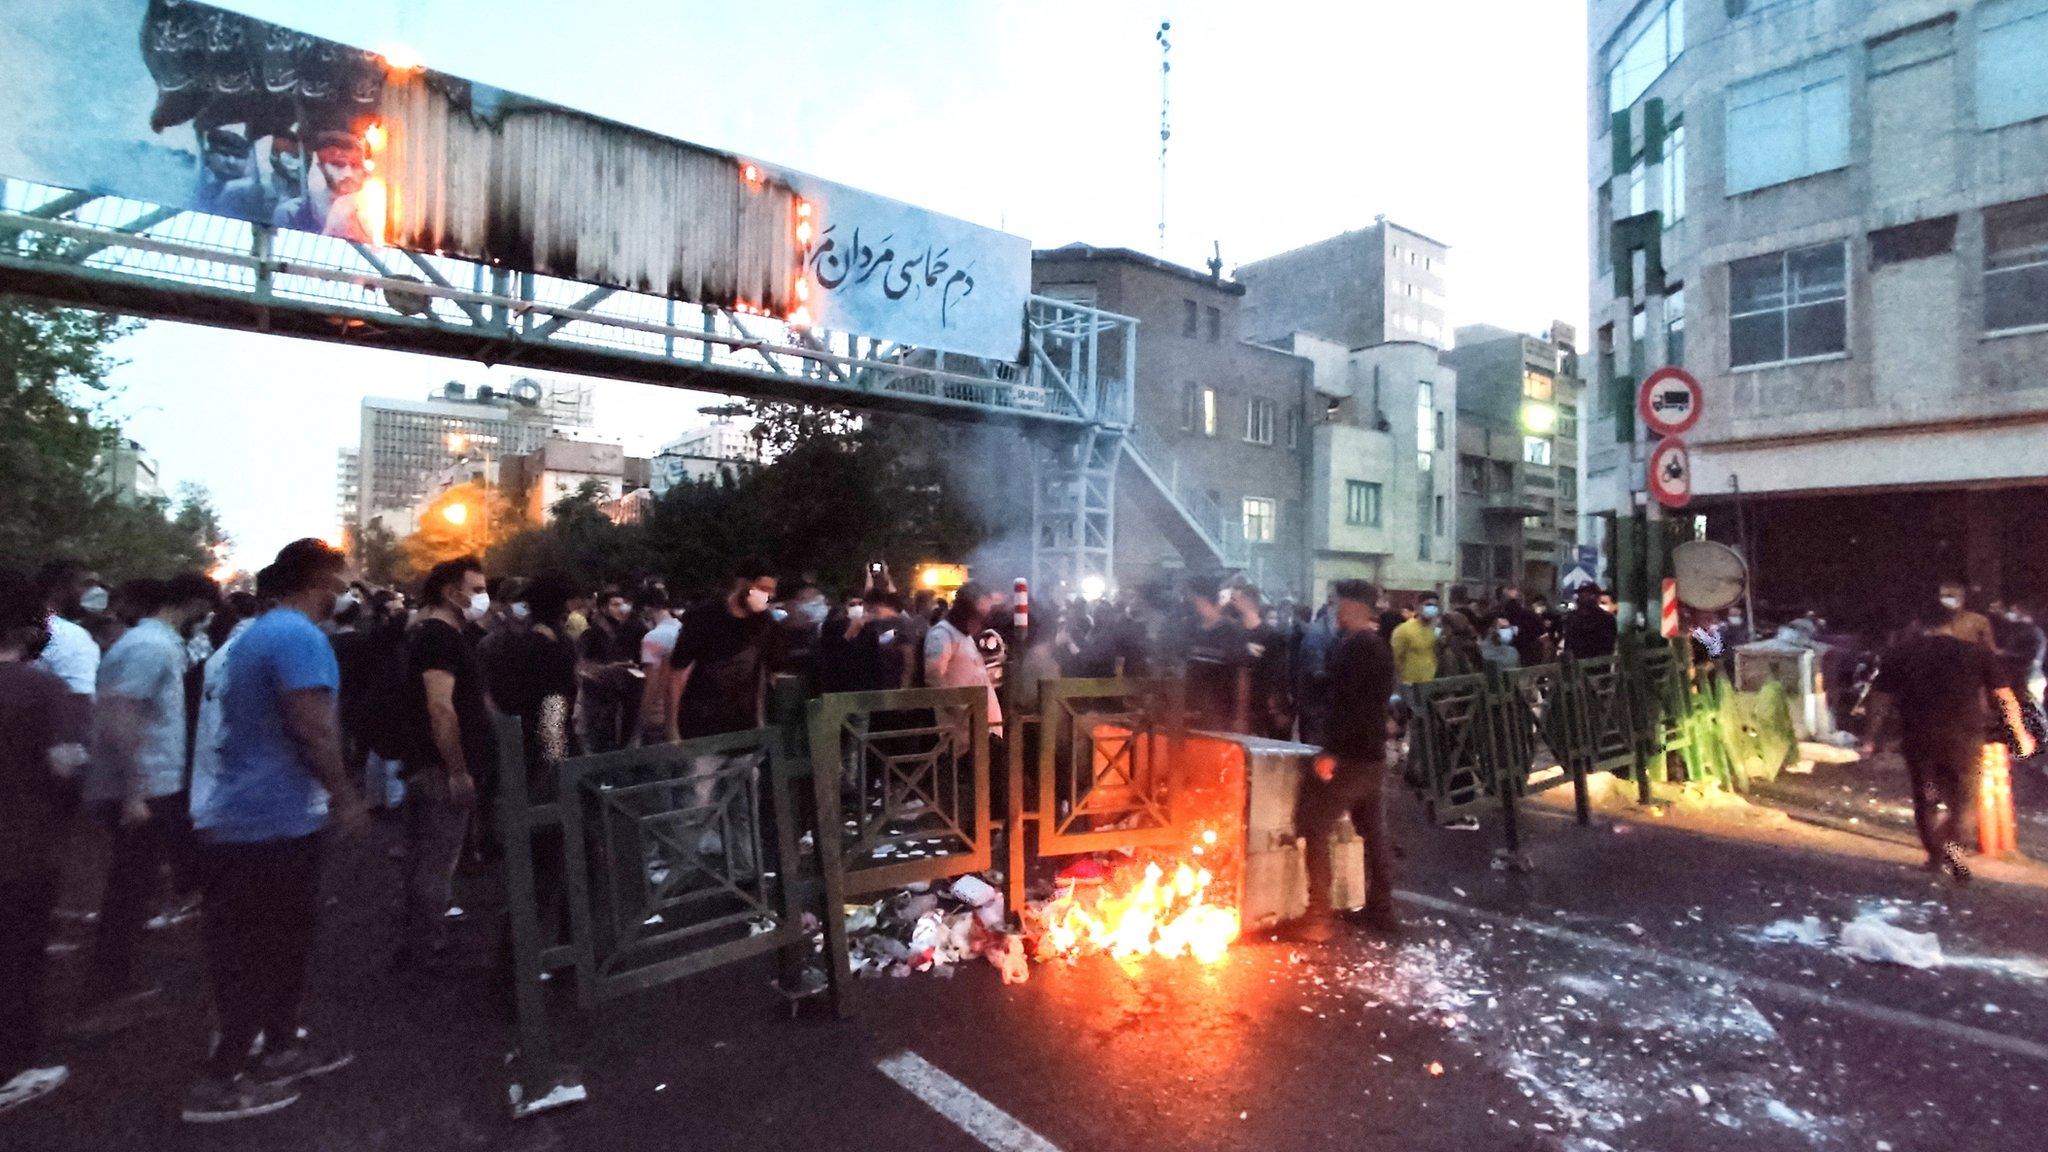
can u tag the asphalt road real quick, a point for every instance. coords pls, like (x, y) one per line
(1620, 995)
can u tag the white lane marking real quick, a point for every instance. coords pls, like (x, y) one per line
(997, 1130)
(1776, 989)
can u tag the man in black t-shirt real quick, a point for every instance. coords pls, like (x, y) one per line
(453, 743)
(715, 687)
(1271, 710)
(1350, 773)
(611, 681)
(1215, 651)
(1938, 689)
(1589, 630)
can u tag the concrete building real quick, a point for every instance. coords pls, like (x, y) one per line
(407, 443)
(348, 487)
(534, 481)
(1518, 460)
(1834, 213)
(127, 473)
(1213, 477)
(720, 449)
(1379, 504)
(1372, 286)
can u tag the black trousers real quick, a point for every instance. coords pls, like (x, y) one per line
(27, 899)
(1944, 772)
(261, 913)
(1360, 788)
(134, 879)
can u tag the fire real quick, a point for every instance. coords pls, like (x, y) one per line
(1140, 912)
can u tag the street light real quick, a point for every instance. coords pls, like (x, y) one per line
(456, 514)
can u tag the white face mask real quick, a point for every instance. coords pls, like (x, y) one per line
(1507, 635)
(520, 612)
(94, 599)
(1951, 602)
(479, 604)
(1429, 611)
(757, 600)
(2012, 617)
(342, 602)
(856, 612)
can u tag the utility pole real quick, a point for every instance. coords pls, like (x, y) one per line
(1165, 123)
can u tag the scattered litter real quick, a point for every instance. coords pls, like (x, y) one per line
(1699, 1095)
(1462, 824)
(1806, 930)
(1799, 768)
(1871, 937)
(661, 1087)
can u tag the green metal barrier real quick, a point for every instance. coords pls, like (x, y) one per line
(1510, 734)
(901, 781)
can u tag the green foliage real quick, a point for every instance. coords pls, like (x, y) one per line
(839, 492)
(54, 364)
(376, 553)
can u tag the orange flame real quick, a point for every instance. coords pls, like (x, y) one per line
(1152, 915)
(372, 208)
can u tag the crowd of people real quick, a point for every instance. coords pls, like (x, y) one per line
(218, 739)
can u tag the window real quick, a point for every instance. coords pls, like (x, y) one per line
(1442, 433)
(1538, 385)
(1674, 326)
(1788, 124)
(1294, 427)
(1638, 186)
(1472, 475)
(1503, 562)
(1259, 415)
(1567, 484)
(2012, 37)
(1646, 46)
(2016, 265)
(1788, 305)
(1603, 369)
(1190, 319)
(1916, 241)
(1638, 352)
(1472, 562)
(1567, 422)
(1536, 450)
(1674, 175)
(1422, 546)
(1362, 503)
(1437, 517)
(1261, 518)
(1425, 424)
(1215, 323)
(1198, 410)
(1503, 477)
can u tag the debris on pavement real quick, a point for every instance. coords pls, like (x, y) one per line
(1871, 937)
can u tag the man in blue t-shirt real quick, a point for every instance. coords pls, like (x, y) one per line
(280, 771)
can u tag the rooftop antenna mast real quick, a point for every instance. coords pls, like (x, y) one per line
(1165, 125)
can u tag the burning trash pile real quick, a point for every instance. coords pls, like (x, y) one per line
(1143, 904)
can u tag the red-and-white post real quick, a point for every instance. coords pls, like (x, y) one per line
(1668, 619)
(1020, 617)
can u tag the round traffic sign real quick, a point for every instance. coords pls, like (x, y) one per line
(1669, 401)
(1671, 473)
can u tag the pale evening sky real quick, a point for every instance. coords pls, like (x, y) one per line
(1292, 120)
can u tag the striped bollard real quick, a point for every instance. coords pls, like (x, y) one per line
(1668, 618)
(1020, 619)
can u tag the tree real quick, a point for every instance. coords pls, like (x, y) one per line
(376, 552)
(54, 364)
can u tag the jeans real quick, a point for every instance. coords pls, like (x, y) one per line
(1944, 772)
(1360, 788)
(434, 834)
(26, 901)
(261, 913)
(134, 878)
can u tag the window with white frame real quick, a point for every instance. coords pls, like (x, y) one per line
(1791, 305)
(1259, 416)
(2016, 265)
(1638, 186)
(1261, 519)
(1674, 326)
(1198, 410)
(1536, 450)
(1294, 427)
(2012, 40)
(1646, 46)
(1674, 175)
(1425, 425)
(1788, 124)
(1362, 503)
(1437, 518)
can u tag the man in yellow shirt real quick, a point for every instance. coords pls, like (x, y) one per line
(1415, 643)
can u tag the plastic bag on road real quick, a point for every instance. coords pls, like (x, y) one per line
(1870, 937)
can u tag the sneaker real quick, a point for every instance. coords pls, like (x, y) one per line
(301, 1061)
(214, 1101)
(1952, 857)
(32, 1084)
(182, 914)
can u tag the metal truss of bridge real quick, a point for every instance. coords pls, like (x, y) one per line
(147, 260)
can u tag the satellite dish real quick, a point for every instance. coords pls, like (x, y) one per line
(526, 392)
(1710, 575)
